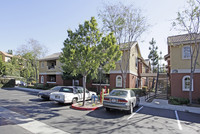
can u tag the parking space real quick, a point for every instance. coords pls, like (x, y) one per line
(62, 117)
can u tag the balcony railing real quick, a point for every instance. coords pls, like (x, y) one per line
(51, 68)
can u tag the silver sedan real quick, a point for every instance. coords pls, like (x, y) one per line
(122, 99)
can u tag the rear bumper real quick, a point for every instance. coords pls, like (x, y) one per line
(116, 106)
(44, 96)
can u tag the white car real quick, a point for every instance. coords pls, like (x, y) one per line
(71, 94)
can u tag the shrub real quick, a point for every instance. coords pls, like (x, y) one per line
(6, 82)
(178, 100)
(38, 86)
(198, 100)
(144, 88)
(138, 91)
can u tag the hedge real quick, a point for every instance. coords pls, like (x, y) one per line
(6, 82)
(178, 100)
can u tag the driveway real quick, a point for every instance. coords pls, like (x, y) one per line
(23, 112)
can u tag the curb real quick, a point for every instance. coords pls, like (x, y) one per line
(84, 108)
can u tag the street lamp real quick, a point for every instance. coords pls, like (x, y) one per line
(100, 68)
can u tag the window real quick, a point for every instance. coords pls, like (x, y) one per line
(68, 90)
(186, 83)
(76, 82)
(80, 90)
(136, 62)
(132, 94)
(118, 81)
(186, 52)
(42, 79)
(118, 93)
(42, 64)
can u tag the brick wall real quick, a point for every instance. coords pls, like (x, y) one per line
(59, 80)
(176, 86)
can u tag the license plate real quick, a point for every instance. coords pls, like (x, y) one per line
(57, 97)
(113, 100)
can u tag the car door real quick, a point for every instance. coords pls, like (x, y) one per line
(80, 93)
(87, 94)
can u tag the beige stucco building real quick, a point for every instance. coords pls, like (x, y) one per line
(50, 70)
(179, 62)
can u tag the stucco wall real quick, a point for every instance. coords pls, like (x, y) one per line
(45, 69)
(176, 59)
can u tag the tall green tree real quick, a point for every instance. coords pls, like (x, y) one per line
(153, 55)
(188, 20)
(36, 50)
(2, 66)
(128, 24)
(85, 50)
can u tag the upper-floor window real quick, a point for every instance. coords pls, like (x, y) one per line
(136, 62)
(42, 64)
(186, 52)
(186, 83)
(119, 81)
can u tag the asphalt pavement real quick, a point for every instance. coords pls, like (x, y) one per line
(156, 103)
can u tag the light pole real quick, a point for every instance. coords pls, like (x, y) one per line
(100, 68)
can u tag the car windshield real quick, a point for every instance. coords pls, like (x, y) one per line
(68, 90)
(55, 88)
(119, 93)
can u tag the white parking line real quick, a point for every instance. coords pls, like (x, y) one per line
(178, 121)
(29, 124)
(134, 113)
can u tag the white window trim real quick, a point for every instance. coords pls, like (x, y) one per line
(117, 82)
(183, 83)
(42, 79)
(184, 53)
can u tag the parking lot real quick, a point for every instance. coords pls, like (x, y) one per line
(24, 112)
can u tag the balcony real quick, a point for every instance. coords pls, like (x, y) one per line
(51, 68)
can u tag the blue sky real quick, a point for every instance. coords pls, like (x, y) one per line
(47, 21)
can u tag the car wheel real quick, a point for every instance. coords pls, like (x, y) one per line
(74, 101)
(130, 111)
(107, 109)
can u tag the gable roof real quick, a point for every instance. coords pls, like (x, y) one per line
(181, 39)
(53, 56)
(6, 54)
(125, 46)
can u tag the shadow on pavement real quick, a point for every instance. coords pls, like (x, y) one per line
(103, 114)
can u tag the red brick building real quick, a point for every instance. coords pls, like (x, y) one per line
(179, 61)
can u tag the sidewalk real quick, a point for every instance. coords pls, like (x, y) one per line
(28, 89)
(163, 104)
(156, 103)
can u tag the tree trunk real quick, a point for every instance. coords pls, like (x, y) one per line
(124, 80)
(84, 87)
(190, 92)
(191, 75)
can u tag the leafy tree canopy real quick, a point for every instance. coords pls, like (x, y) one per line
(85, 50)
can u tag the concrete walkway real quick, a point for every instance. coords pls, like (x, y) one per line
(163, 104)
(156, 103)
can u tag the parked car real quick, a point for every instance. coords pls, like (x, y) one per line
(46, 94)
(122, 99)
(71, 94)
